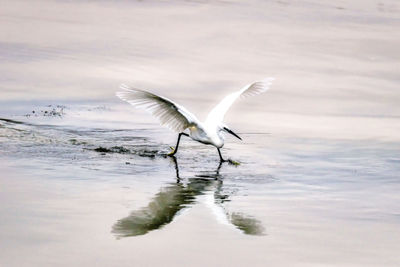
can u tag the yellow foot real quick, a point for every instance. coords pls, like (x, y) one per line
(172, 152)
(233, 162)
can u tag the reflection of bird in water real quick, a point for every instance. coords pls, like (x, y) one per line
(177, 196)
(178, 118)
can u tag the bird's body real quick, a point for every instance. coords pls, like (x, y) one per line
(205, 135)
(178, 118)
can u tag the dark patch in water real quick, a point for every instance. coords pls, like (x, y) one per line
(122, 150)
(247, 224)
(147, 153)
(159, 212)
(102, 149)
(76, 142)
(114, 149)
(11, 121)
(49, 111)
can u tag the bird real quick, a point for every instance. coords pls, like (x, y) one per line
(178, 119)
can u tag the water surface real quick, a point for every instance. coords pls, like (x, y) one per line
(86, 180)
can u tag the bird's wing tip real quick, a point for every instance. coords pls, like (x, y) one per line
(126, 89)
(123, 86)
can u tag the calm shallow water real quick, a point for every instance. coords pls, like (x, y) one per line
(282, 185)
(85, 179)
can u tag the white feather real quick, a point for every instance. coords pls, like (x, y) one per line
(216, 115)
(170, 114)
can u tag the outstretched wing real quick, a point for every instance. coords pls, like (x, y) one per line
(170, 114)
(216, 116)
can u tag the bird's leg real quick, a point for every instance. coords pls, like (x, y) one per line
(220, 156)
(174, 150)
(227, 160)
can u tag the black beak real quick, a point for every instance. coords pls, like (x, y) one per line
(232, 133)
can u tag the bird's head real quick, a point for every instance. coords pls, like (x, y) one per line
(225, 128)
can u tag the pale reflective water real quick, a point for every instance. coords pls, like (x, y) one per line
(282, 183)
(85, 179)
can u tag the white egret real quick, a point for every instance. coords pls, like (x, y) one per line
(178, 118)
